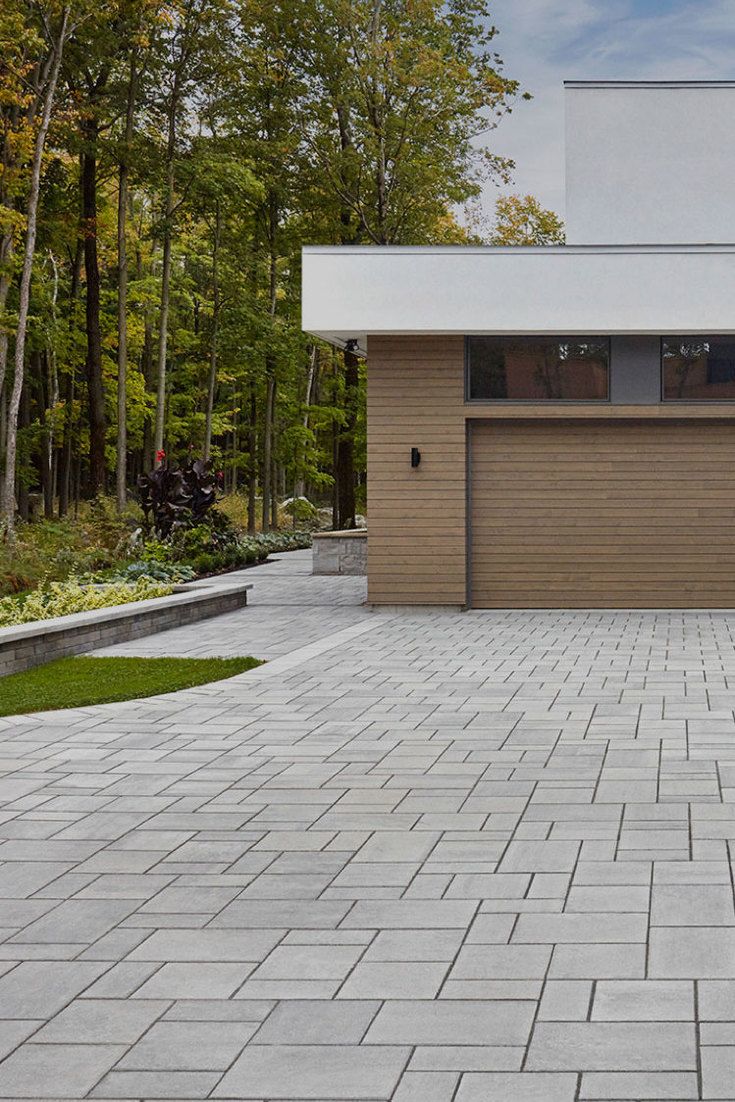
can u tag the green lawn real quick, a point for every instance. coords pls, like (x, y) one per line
(76, 682)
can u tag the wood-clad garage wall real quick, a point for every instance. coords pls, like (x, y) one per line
(417, 521)
(603, 514)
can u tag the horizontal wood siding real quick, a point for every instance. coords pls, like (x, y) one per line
(417, 519)
(599, 514)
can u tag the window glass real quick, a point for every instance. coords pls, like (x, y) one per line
(698, 369)
(538, 369)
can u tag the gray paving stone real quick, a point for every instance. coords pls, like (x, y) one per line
(188, 1046)
(524, 1087)
(76, 921)
(692, 952)
(454, 1022)
(643, 1000)
(414, 945)
(396, 980)
(409, 914)
(570, 962)
(38, 989)
(612, 1046)
(718, 1071)
(309, 962)
(194, 981)
(501, 962)
(179, 1086)
(207, 945)
(315, 1071)
(692, 905)
(102, 1021)
(423, 1086)
(55, 1071)
(603, 1086)
(318, 1023)
(281, 914)
(565, 1001)
(394, 846)
(540, 857)
(576, 928)
(716, 1000)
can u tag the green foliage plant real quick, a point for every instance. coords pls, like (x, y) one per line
(64, 598)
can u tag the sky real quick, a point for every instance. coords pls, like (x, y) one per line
(545, 42)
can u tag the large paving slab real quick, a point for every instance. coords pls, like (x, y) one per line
(417, 856)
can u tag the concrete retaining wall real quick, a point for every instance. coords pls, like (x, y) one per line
(32, 644)
(340, 552)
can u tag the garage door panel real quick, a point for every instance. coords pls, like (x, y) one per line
(603, 514)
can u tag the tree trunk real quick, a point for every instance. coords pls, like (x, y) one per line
(65, 463)
(253, 460)
(335, 468)
(67, 451)
(24, 294)
(235, 439)
(6, 252)
(41, 373)
(300, 481)
(267, 483)
(24, 418)
(216, 305)
(274, 498)
(95, 386)
(122, 296)
(346, 445)
(166, 272)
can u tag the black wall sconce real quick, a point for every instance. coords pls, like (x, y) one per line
(415, 457)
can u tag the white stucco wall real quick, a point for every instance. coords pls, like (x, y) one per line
(649, 164)
(349, 292)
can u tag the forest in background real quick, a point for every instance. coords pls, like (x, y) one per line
(161, 165)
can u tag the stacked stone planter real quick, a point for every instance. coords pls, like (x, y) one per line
(32, 644)
(340, 552)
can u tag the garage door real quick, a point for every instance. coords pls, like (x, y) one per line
(576, 514)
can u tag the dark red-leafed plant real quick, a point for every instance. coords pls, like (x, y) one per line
(176, 497)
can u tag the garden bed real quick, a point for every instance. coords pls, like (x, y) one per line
(32, 644)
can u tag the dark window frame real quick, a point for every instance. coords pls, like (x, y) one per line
(688, 401)
(604, 339)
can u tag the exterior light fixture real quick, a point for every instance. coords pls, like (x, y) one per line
(415, 457)
(352, 346)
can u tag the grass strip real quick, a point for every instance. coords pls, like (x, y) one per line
(84, 680)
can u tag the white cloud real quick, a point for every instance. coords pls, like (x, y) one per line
(544, 42)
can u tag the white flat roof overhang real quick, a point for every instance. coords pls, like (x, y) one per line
(349, 293)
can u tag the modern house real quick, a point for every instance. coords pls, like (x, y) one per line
(572, 408)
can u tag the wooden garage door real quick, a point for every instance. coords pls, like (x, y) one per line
(604, 514)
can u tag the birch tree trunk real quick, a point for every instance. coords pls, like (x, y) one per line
(6, 252)
(24, 294)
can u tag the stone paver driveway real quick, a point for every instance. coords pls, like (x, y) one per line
(424, 856)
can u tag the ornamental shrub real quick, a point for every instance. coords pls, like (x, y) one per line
(64, 598)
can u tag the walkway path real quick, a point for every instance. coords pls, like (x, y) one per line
(424, 857)
(287, 608)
